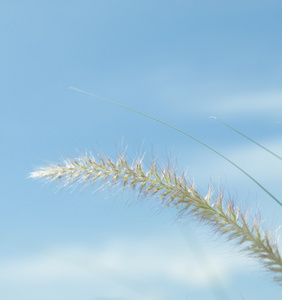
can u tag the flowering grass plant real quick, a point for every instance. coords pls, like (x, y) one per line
(174, 190)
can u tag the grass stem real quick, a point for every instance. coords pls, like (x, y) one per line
(186, 134)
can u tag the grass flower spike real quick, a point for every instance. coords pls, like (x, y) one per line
(173, 191)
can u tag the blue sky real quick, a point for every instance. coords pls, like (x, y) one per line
(179, 61)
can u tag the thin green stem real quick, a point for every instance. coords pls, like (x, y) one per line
(248, 138)
(168, 125)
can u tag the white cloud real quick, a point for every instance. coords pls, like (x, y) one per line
(126, 261)
(189, 102)
(262, 102)
(250, 157)
(256, 161)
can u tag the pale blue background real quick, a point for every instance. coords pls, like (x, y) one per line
(179, 61)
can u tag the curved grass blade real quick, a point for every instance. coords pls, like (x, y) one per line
(190, 136)
(248, 138)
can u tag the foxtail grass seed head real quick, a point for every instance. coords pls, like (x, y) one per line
(173, 191)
